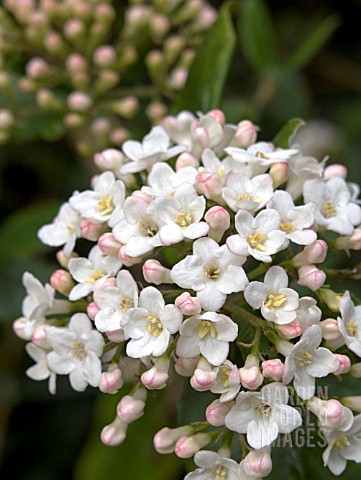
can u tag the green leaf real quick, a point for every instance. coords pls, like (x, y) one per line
(258, 35)
(285, 135)
(312, 43)
(209, 70)
(18, 233)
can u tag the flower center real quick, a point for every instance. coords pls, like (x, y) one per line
(351, 328)
(256, 241)
(260, 154)
(275, 301)
(328, 209)
(263, 409)
(303, 359)
(212, 271)
(225, 373)
(341, 442)
(148, 230)
(126, 304)
(106, 204)
(96, 275)
(206, 327)
(78, 350)
(183, 219)
(287, 227)
(155, 326)
(71, 227)
(221, 473)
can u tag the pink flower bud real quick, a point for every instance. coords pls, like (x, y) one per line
(187, 446)
(92, 309)
(108, 245)
(115, 433)
(157, 376)
(186, 366)
(331, 413)
(188, 305)
(335, 170)
(126, 107)
(273, 369)
(203, 380)
(90, 230)
(79, 101)
(159, 25)
(19, 328)
(246, 134)
(330, 330)
(76, 63)
(7, 119)
(104, 56)
(185, 159)
(250, 374)
(154, 272)
(37, 68)
(165, 440)
(216, 412)
(104, 12)
(219, 221)
(130, 408)
(314, 253)
(39, 337)
(62, 281)
(126, 259)
(279, 173)
(116, 336)
(310, 276)
(101, 126)
(290, 330)
(111, 381)
(109, 159)
(344, 364)
(350, 242)
(210, 185)
(156, 111)
(178, 78)
(74, 29)
(218, 115)
(258, 463)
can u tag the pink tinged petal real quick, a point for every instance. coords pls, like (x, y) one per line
(261, 433)
(232, 280)
(237, 245)
(256, 293)
(286, 417)
(211, 298)
(76, 378)
(188, 347)
(214, 351)
(172, 318)
(60, 364)
(92, 369)
(276, 278)
(323, 363)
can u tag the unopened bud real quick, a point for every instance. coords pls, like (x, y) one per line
(111, 381)
(210, 185)
(19, 328)
(39, 337)
(90, 230)
(74, 30)
(63, 259)
(62, 281)
(279, 173)
(330, 330)
(216, 412)
(218, 115)
(188, 305)
(127, 107)
(157, 376)
(355, 370)
(7, 119)
(331, 413)
(344, 364)
(126, 259)
(219, 221)
(47, 100)
(187, 446)
(109, 159)
(156, 111)
(258, 463)
(349, 242)
(186, 366)
(273, 369)
(310, 276)
(335, 170)
(79, 101)
(74, 120)
(159, 26)
(165, 440)
(76, 63)
(250, 375)
(154, 272)
(37, 68)
(107, 79)
(314, 253)
(116, 336)
(331, 298)
(246, 134)
(185, 159)
(178, 77)
(108, 245)
(92, 309)
(54, 44)
(130, 408)
(104, 56)
(290, 330)
(114, 434)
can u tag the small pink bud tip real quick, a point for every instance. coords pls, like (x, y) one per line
(273, 369)
(154, 272)
(188, 305)
(111, 381)
(344, 364)
(216, 412)
(130, 409)
(246, 134)
(310, 276)
(108, 245)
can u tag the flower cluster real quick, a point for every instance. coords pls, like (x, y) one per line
(80, 65)
(202, 235)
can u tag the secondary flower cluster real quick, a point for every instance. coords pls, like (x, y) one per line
(206, 261)
(80, 65)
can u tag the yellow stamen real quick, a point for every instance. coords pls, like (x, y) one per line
(220, 173)
(212, 271)
(275, 301)
(328, 209)
(225, 373)
(206, 327)
(96, 275)
(263, 409)
(183, 219)
(155, 326)
(71, 227)
(78, 350)
(106, 204)
(246, 196)
(351, 328)
(287, 227)
(255, 241)
(126, 304)
(260, 154)
(221, 473)
(341, 442)
(304, 359)
(149, 230)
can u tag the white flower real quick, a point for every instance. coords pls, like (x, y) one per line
(150, 325)
(334, 209)
(243, 193)
(295, 221)
(101, 204)
(154, 148)
(212, 271)
(114, 300)
(87, 271)
(302, 169)
(179, 128)
(208, 334)
(308, 313)
(213, 164)
(213, 467)
(260, 237)
(139, 231)
(306, 362)
(263, 415)
(227, 382)
(350, 323)
(182, 214)
(163, 180)
(342, 446)
(40, 371)
(64, 230)
(277, 302)
(77, 349)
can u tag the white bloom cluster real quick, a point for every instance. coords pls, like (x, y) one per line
(200, 235)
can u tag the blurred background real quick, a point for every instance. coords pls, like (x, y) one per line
(267, 61)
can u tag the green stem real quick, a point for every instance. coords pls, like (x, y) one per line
(260, 270)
